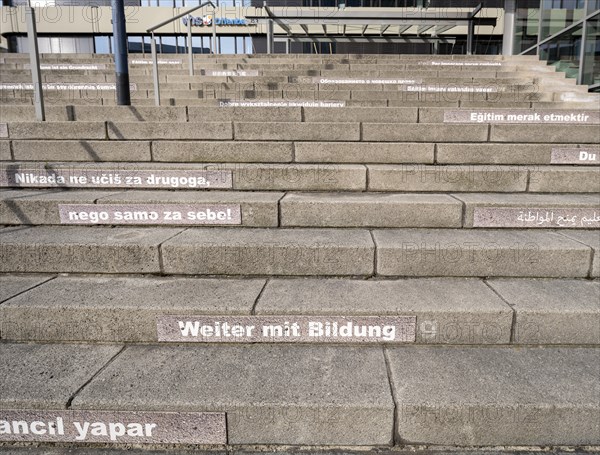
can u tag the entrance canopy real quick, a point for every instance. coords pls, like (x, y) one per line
(360, 25)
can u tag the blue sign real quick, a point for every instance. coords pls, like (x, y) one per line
(207, 21)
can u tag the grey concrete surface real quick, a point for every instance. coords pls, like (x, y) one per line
(116, 309)
(526, 201)
(505, 153)
(363, 152)
(370, 210)
(592, 239)
(572, 134)
(424, 132)
(57, 130)
(454, 178)
(11, 285)
(5, 153)
(286, 131)
(510, 253)
(173, 130)
(46, 376)
(82, 249)
(448, 310)
(221, 152)
(29, 207)
(235, 251)
(297, 177)
(69, 150)
(258, 209)
(565, 179)
(553, 311)
(496, 396)
(272, 394)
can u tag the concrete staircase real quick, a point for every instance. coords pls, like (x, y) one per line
(294, 250)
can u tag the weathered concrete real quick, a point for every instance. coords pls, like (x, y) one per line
(461, 178)
(277, 394)
(221, 152)
(226, 251)
(363, 152)
(118, 309)
(565, 179)
(5, 153)
(448, 310)
(130, 114)
(41, 207)
(495, 153)
(592, 239)
(358, 114)
(286, 131)
(572, 134)
(57, 130)
(46, 376)
(543, 202)
(424, 132)
(496, 396)
(173, 130)
(81, 150)
(244, 114)
(26, 113)
(553, 311)
(447, 252)
(370, 210)
(11, 285)
(258, 209)
(82, 249)
(297, 177)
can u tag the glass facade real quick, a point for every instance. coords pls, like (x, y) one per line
(563, 32)
(559, 14)
(140, 44)
(527, 20)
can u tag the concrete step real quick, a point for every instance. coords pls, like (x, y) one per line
(272, 209)
(531, 210)
(418, 100)
(324, 395)
(15, 450)
(509, 253)
(370, 210)
(447, 310)
(261, 166)
(293, 252)
(172, 208)
(481, 178)
(592, 239)
(435, 92)
(238, 176)
(275, 114)
(520, 154)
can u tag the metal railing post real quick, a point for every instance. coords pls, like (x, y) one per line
(190, 46)
(471, 28)
(270, 41)
(470, 33)
(214, 32)
(155, 71)
(120, 52)
(34, 59)
(168, 21)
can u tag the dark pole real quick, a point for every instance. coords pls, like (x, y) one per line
(120, 51)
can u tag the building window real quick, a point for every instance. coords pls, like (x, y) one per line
(102, 45)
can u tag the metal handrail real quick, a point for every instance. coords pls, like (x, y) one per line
(34, 63)
(189, 40)
(179, 16)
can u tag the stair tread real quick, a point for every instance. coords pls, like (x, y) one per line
(315, 383)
